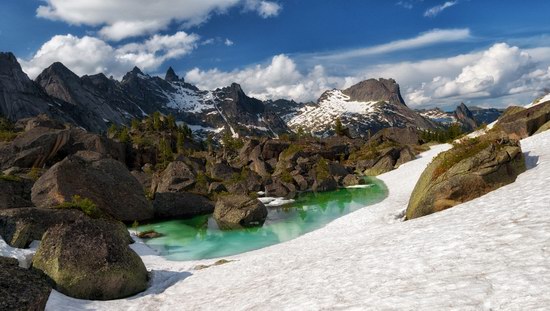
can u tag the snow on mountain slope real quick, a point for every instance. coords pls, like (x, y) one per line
(487, 254)
(539, 101)
(438, 115)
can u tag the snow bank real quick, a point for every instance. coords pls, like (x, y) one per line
(24, 256)
(489, 253)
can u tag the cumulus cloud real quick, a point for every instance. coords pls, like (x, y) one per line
(264, 8)
(501, 70)
(431, 37)
(89, 55)
(228, 42)
(128, 18)
(434, 11)
(278, 79)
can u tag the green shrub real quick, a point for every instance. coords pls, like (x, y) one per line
(85, 205)
(286, 176)
(34, 173)
(321, 169)
(292, 149)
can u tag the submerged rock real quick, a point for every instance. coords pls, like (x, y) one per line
(466, 172)
(91, 259)
(238, 211)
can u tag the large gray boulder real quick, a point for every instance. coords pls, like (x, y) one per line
(238, 211)
(181, 205)
(521, 123)
(90, 259)
(177, 177)
(467, 171)
(20, 226)
(106, 182)
(22, 289)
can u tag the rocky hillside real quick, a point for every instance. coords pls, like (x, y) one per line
(368, 106)
(95, 102)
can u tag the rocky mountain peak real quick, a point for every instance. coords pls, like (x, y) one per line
(171, 76)
(466, 117)
(8, 63)
(59, 71)
(375, 90)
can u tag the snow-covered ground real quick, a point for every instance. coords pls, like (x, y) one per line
(491, 253)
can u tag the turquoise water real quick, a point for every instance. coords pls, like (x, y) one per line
(200, 237)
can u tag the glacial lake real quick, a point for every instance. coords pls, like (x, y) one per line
(200, 237)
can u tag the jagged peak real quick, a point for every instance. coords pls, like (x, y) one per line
(57, 69)
(8, 56)
(171, 75)
(8, 61)
(136, 70)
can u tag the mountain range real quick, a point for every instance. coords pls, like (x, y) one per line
(94, 102)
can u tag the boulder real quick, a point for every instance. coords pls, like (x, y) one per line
(44, 146)
(181, 205)
(279, 188)
(216, 187)
(524, 123)
(352, 180)
(222, 171)
(146, 180)
(16, 192)
(337, 170)
(90, 259)
(20, 226)
(177, 177)
(20, 288)
(106, 182)
(543, 128)
(405, 155)
(322, 185)
(238, 211)
(40, 120)
(403, 136)
(467, 171)
(273, 148)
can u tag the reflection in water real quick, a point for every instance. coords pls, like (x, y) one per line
(201, 238)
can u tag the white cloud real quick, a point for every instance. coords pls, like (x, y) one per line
(89, 55)
(228, 42)
(121, 19)
(278, 79)
(434, 11)
(265, 9)
(501, 70)
(405, 4)
(432, 37)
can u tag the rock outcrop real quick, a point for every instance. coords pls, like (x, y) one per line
(238, 211)
(22, 289)
(520, 123)
(467, 171)
(106, 182)
(90, 259)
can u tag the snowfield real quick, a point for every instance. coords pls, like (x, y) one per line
(492, 253)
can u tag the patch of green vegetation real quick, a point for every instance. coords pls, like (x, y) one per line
(201, 181)
(449, 134)
(7, 136)
(459, 152)
(291, 150)
(231, 143)
(286, 176)
(34, 173)
(321, 169)
(85, 205)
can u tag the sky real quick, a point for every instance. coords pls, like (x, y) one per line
(491, 53)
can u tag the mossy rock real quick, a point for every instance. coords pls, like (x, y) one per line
(543, 128)
(466, 172)
(91, 259)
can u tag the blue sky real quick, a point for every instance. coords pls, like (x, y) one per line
(491, 53)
